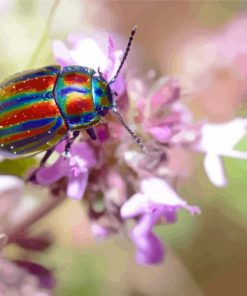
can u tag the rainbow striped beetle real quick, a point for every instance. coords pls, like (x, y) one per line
(38, 108)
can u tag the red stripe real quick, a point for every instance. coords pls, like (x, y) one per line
(74, 78)
(31, 85)
(36, 111)
(78, 105)
(25, 134)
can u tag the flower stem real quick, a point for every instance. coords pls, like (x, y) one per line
(34, 217)
(41, 42)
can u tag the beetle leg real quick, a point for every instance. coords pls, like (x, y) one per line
(46, 156)
(91, 133)
(48, 153)
(70, 142)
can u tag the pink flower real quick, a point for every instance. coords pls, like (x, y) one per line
(156, 201)
(112, 186)
(11, 191)
(231, 43)
(75, 168)
(87, 52)
(217, 141)
(162, 115)
(213, 66)
(100, 232)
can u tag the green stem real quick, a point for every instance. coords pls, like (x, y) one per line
(17, 230)
(44, 35)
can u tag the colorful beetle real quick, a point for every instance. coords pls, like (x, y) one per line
(40, 107)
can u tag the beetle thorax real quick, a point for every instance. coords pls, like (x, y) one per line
(82, 97)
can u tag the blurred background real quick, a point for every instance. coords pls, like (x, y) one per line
(206, 255)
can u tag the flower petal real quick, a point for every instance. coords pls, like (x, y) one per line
(160, 192)
(10, 183)
(51, 174)
(149, 249)
(161, 133)
(87, 53)
(100, 232)
(135, 206)
(77, 186)
(165, 91)
(146, 223)
(62, 53)
(220, 138)
(84, 151)
(215, 169)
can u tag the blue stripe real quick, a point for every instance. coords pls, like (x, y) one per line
(25, 126)
(16, 101)
(84, 119)
(66, 90)
(37, 141)
(41, 139)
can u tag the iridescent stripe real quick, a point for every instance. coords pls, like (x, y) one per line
(23, 100)
(73, 94)
(24, 126)
(30, 120)
(67, 90)
(35, 143)
(18, 77)
(29, 112)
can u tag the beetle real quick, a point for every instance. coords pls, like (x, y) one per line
(40, 108)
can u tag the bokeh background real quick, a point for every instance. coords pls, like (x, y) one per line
(206, 255)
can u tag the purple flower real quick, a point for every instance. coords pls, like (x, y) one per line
(75, 168)
(87, 52)
(162, 115)
(157, 201)
(100, 232)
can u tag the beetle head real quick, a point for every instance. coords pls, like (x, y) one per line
(103, 98)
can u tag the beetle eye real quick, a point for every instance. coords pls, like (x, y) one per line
(99, 92)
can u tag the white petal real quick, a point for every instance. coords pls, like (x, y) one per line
(62, 53)
(220, 138)
(10, 183)
(136, 205)
(159, 191)
(88, 54)
(215, 169)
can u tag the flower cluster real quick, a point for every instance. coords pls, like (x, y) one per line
(113, 172)
(116, 180)
(113, 176)
(19, 277)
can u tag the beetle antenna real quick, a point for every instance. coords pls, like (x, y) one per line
(136, 138)
(125, 55)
